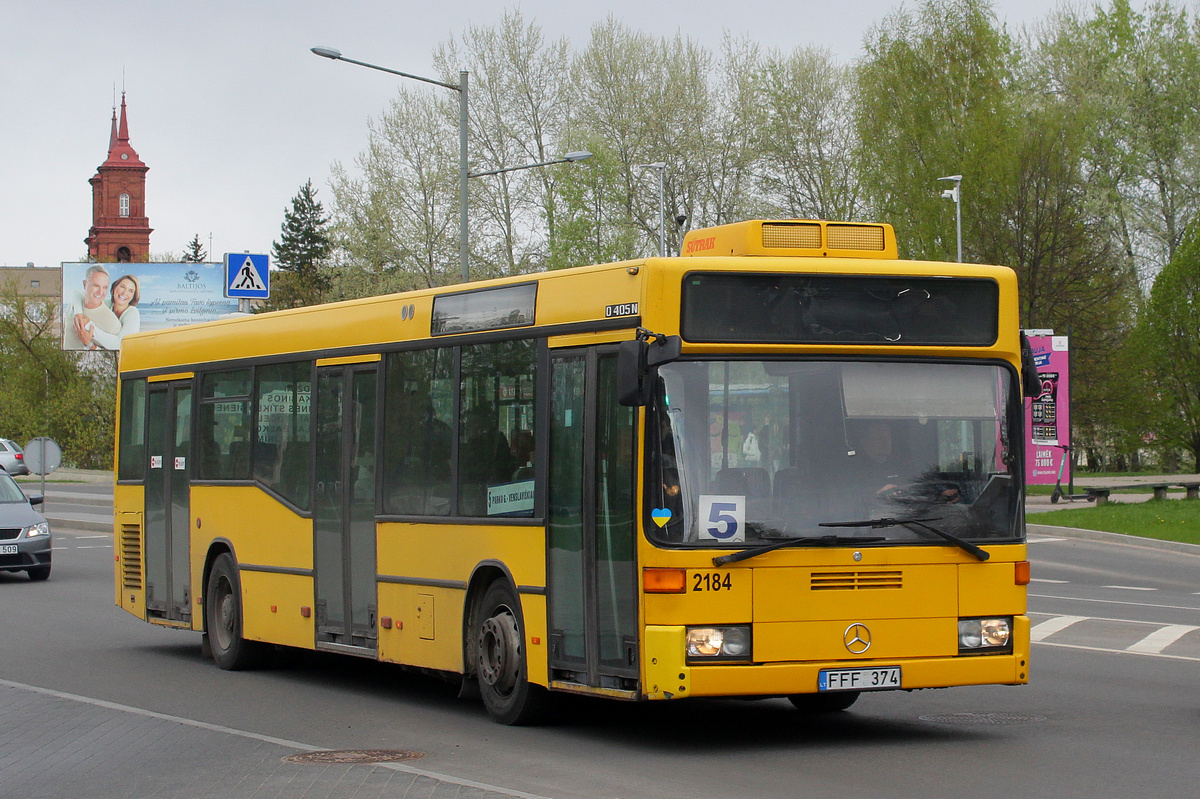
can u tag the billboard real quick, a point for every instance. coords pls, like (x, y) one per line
(1048, 415)
(103, 303)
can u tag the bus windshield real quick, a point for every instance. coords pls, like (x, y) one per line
(744, 452)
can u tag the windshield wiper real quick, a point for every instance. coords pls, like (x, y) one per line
(812, 541)
(886, 522)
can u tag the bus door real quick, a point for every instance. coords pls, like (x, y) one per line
(167, 512)
(592, 570)
(344, 506)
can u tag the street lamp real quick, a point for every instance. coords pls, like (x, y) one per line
(662, 206)
(461, 88)
(569, 158)
(956, 195)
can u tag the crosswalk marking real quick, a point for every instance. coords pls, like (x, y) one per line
(1051, 626)
(1160, 639)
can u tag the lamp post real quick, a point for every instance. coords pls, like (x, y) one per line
(956, 195)
(461, 88)
(662, 206)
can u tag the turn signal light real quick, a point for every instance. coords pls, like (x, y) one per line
(664, 581)
(1021, 572)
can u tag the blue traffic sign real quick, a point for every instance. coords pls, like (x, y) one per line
(246, 276)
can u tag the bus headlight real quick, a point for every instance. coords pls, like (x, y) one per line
(984, 635)
(718, 643)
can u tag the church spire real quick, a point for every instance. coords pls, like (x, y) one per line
(123, 131)
(120, 228)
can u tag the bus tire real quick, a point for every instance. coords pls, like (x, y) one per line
(824, 703)
(500, 666)
(223, 617)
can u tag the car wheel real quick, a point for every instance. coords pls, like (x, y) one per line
(824, 703)
(223, 618)
(500, 666)
(39, 573)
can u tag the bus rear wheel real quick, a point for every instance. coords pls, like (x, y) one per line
(824, 703)
(500, 665)
(223, 618)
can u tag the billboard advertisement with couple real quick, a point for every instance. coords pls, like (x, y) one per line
(103, 303)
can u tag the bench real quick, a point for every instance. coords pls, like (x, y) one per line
(1098, 495)
(1192, 489)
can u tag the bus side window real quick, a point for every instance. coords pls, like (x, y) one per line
(417, 437)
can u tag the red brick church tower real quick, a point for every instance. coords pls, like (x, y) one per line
(120, 228)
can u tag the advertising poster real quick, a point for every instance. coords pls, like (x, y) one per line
(103, 303)
(1048, 416)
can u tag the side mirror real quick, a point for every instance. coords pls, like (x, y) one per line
(632, 389)
(636, 361)
(1030, 385)
(36, 499)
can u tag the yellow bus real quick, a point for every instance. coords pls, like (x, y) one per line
(784, 464)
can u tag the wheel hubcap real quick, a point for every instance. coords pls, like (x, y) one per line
(226, 613)
(499, 652)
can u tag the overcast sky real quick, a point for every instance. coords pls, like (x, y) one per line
(232, 113)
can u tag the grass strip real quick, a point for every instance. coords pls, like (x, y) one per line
(1168, 520)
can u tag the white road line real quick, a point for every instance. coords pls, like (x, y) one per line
(1051, 626)
(1130, 588)
(1117, 651)
(1160, 639)
(81, 537)
(1113, 602)
(87, 700)
(1043, 580)
(1042, 540)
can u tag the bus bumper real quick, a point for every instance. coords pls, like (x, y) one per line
(669, 676)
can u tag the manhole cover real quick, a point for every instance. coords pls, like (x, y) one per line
(980, 718)
(352, 756)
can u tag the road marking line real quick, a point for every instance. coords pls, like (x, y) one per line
(1042, 540)
(1115, 602)
(1043, 580)
(1130, 587)
(284, 742)
(81, 537)
(1051, 626)
(1117, 651)
(1160, 639)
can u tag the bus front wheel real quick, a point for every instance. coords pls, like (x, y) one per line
(500, 665)
(824, 703)
(223, 617)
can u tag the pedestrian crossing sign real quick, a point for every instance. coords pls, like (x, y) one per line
(246, 276)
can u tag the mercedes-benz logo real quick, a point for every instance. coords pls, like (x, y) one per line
(857, 638)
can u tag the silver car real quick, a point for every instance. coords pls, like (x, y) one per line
(12, 459)
(24, 534)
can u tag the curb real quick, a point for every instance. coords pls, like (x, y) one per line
(1114, 538)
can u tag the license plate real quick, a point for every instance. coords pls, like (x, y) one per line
(8, 549)
(878, 678)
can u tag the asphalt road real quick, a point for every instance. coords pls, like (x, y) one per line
(96, 703)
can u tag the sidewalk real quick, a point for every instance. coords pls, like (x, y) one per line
(66, 475)
(1040, 504)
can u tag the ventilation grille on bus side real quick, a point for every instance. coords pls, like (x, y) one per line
(854, 581)
(131, 556)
